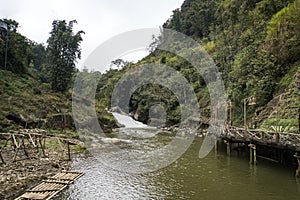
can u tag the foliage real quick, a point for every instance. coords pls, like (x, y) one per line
(62, 51)
(18, 49)
(283, 34)
(254, 43)
(39, 56)
(120, 63)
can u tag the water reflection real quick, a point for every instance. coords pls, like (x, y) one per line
(214, 177)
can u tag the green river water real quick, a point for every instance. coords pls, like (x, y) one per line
(215, 177)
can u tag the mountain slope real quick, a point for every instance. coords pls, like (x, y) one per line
(27, 103)
(255, 45)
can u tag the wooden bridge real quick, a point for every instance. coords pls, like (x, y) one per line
(272, 140)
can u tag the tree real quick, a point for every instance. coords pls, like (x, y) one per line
(62, 51)
(120, 63)
(18, 49)
(38, 56)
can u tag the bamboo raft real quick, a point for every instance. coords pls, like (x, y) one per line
(52, 186)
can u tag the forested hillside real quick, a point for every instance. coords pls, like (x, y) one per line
(255, 45)
(36, 79)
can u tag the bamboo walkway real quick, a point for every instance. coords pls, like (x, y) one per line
(267, 138)
(51, 187)
(272, 140)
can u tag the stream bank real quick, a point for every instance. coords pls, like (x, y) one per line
(22, 174)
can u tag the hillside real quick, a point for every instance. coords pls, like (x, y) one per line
(27, 103)
(282, 112)
(255, 45)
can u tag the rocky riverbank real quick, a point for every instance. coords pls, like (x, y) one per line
(18, 176)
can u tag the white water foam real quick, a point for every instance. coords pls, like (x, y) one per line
(128, 122)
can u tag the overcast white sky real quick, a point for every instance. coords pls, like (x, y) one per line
(100, 19)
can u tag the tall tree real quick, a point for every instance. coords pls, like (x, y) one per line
(18, 52)
(62, 51)
(38, 56)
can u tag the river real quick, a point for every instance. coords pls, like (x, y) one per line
(214, 177)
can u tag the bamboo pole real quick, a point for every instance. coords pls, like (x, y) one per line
(69, 152)
(24, 148)
(216, 147)
(245, 115)
(253, 159)
(1, 157)
(228, 149)
(251, 155)
(298, 160)
(230, 114)
(254, 154)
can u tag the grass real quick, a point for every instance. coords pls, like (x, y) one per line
(19, 95)
(288, 78)
(284, 125)
(25, 96)
(53, 145)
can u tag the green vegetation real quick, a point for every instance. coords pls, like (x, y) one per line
(62, 51)
(34, 86)
(35, 105)
(255, 45)
(18, 52)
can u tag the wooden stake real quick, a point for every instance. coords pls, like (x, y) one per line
(299, 122)
(228, 149)
(24, 148)
(298, 160)
(254, 154)
(14, 158)
(42, 147)
(1, 157)
(69, 152)
(298, 170)
(230, 114)
(251, 155)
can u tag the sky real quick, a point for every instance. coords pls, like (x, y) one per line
(99, 19)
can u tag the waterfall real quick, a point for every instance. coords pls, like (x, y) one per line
(128, 122)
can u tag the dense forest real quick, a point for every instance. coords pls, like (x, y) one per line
(255, 45)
